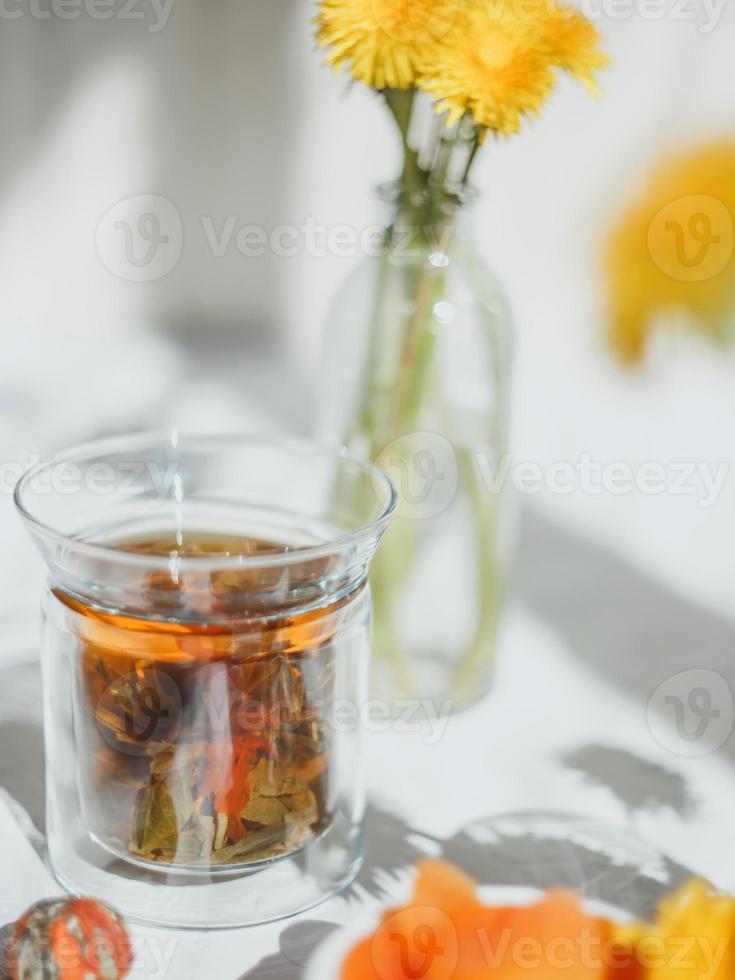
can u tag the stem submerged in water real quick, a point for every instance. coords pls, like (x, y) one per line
(399, 390)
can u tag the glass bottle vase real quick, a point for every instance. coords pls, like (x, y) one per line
(417, 375)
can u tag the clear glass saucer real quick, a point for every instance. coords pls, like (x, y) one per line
(610, 867)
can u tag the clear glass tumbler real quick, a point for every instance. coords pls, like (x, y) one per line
(205, 658)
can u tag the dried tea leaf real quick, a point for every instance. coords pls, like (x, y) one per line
(179, 784)
(264, 778)
(204, 829)
(155, 824)
(290, 689)
(299, 828)
(177, 757)
(188, 848)
(228, 581)
(312, 769)
(265, 810)
(220, 831)
(254, 846)
(300, 749)
(291, 786)
(298, 802)
(279, 785)
(110, 720)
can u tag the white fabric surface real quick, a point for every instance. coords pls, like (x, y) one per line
(549, 699)
(503, 755)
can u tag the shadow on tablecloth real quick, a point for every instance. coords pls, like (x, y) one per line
(392, 848)
(615, 617)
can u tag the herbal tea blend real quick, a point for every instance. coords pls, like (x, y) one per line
(205, 626)
(201, 722)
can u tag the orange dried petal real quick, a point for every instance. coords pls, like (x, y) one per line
(443, 885)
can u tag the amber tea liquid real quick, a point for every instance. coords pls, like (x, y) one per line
(201, 722)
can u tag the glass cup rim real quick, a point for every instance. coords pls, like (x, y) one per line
(174, 439)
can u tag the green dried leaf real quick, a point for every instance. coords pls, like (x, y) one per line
(177, 756)
(179, 785)
(155, 824)
(255, 845)
(188, 848)
(265, 810)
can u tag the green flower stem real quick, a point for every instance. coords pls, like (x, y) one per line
(440, 170)
(391, 565)
(487, 514)
(368, 421)
(476, 144)
(485, 509)
(400, 102)
(412, 370)
(387, 413)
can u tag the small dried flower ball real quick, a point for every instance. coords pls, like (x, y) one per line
(69, 939)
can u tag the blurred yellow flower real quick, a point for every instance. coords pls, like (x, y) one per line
(693, 937)
(386, 43)
(672, 250)
(498, 63)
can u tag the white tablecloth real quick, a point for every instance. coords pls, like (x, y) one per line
(578, 722)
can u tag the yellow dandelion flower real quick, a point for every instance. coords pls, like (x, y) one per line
(672, 250)
(385, 43)
(693, 937)
(491, 68)
(497, 63)
(572, 42)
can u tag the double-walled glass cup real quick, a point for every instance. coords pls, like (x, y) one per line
(205, 657)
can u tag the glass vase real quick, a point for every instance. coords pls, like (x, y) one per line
(416, 377)
(204, 657)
